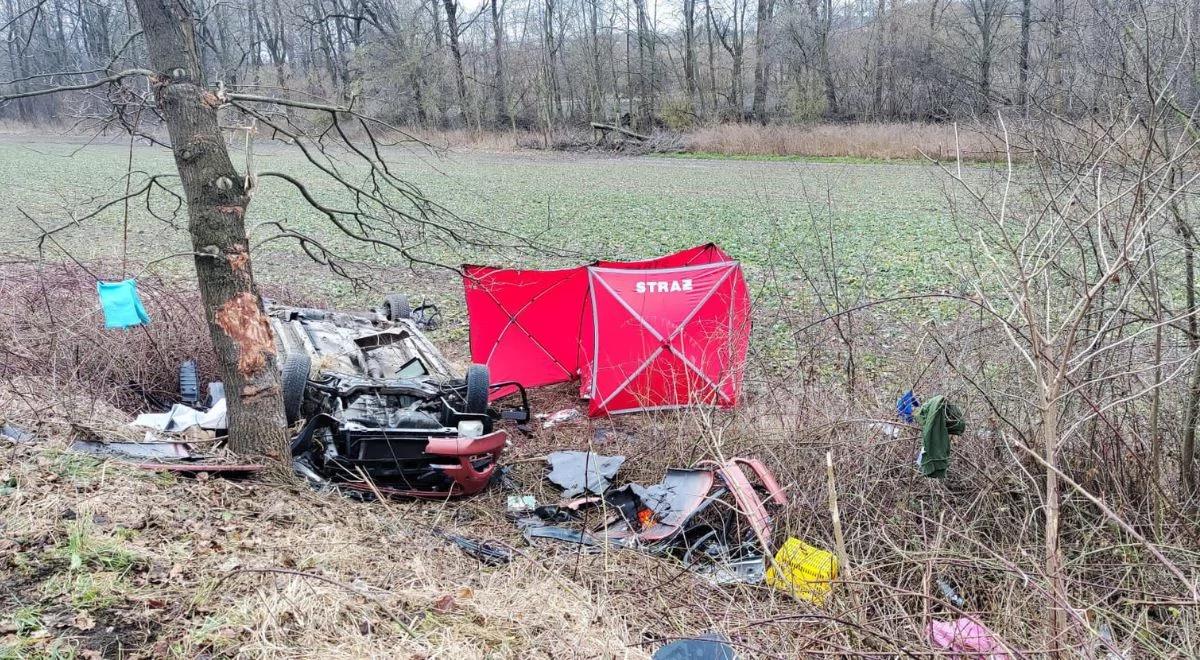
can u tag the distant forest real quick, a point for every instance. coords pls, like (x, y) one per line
(675, 63)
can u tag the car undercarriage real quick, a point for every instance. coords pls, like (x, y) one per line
(380, 409)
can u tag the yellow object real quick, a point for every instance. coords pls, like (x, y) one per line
(802, 570)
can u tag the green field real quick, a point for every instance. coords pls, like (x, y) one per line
(889, 222)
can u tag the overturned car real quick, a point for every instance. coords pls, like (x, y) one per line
(383, 410)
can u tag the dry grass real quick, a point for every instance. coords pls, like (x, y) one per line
(865, 140)
(183, 568)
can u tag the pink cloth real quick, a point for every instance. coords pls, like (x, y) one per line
(966, 638)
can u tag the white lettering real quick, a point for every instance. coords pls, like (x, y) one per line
(663, 286)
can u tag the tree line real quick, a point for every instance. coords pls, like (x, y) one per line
(545, 63)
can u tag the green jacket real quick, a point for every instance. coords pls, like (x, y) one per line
(939, 420)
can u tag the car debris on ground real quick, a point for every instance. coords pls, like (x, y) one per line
(711, 646)
(727, 543)
(559, 417)
(487, 552)
(577, 472)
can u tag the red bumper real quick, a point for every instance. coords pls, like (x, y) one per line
(457, 458)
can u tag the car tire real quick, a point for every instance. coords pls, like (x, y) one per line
(478, 381)
(396, 307)
(293, 369)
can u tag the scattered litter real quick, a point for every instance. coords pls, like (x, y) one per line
(579, 471)
(906, 405)
(551, 513)
(965, 637)
(181, 417)
(712, 646)
(939, 420)
(888, 429)
(804, 571)
(560, 417)
(521, 503)
(949, 593)
(488, 553)
(121, 305)
(746, 571)
(16, 433)
(133, 450)
(573, 536)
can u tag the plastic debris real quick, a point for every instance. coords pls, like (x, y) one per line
(521, 503)
(560, 417)
(16, 433)
(577, 472)
(949, 593)
(488, 553)
(712, 646)
(572, 536)
(181, 417)
(137, 450)
(804, 571)
(906, 405)
(967, 638)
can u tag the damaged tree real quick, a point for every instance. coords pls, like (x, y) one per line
(217, 199)
(387, 213)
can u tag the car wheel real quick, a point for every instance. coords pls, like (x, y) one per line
(396, 307)
(293, 369)
(478, 381)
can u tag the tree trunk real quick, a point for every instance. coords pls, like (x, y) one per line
(1057, 621)
(689, 53)
(1023, 85)
(762, 72)
(877, 91)
(217, 201)
(645, 105)
(1187, 454)
(499, 98)
(460, 80)
(821, 13)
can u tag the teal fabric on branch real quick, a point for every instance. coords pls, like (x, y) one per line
(121, 305)
(939, 420)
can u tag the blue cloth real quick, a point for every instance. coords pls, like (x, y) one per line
(906, 405)
(121, 304)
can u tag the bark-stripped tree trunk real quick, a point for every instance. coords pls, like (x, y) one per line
(217, 201)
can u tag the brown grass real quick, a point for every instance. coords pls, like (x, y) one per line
(865, 140)
(265, 569)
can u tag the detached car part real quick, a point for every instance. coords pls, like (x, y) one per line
(383, 410)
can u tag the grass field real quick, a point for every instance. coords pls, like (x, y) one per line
(889, 221)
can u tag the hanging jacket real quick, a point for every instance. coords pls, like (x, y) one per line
(939, 420)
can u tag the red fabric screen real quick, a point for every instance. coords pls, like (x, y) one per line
(663, 332)
(665, 338)
(525, 323)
